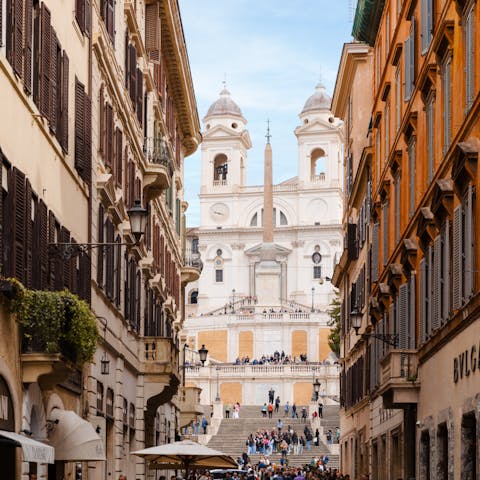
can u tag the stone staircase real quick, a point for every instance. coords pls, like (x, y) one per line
(233, 433)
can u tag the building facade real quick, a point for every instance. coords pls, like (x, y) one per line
(419, 322)
(264, 286)
(103, 92)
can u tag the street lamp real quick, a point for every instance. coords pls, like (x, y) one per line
(356, 317)
(203, 352)
(138, 219)
(316, 390)
(313, 294)
(217, 398)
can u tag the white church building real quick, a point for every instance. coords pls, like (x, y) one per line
(267, 252)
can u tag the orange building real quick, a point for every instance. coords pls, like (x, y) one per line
(418, 326)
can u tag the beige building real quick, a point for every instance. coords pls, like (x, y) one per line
(99, 114)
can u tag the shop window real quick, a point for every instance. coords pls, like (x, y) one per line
(442, 449)
(469, 447)
(425, 455)
(100, 392)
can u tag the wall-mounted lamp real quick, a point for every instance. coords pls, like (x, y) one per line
(203, 352)
(356, 317)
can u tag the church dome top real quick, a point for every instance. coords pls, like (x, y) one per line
(318, 101)
(224, 106)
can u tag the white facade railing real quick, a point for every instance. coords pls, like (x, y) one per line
(319, 178)
(220, 183)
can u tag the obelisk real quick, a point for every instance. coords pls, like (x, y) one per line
(268, 192)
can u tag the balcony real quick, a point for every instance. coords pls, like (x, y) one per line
(158, 167)
(189, 404)
(192, 267)
(318, 178)
(399, 384)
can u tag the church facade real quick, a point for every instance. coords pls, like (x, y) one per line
(268, 251)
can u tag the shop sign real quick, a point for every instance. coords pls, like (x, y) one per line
(7, 421)
(466, 363)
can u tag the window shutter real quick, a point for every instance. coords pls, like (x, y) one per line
(139, 96)
(469, 54)
(469, 260)
(88, 19)
(79, 128)
(101, 121)
(391, 318)
(51, 240)
(446, 272)
(109, 136)
(52, 111)
(412, 53)
(43, 241)
(109, 279)
(152, 31)
(19, 224)
(84, 278)
(27, 60)
(385, 233)
(429, 290)
(87, 136)
(118, 158)
(118, 272)
(80, 14)
(37, 62)
(457, 287)
(100, 249)
(375, 248)
(412, 313)
(406, 49)
(424, 25)
(64, 103)
(423, 312)
(18, 37)
(127, 61)
(110, 20)
(436, 269)
(65, 235)
(133, 74)
(403, 316)
(45, 69)
(28, 245)
(1, 22)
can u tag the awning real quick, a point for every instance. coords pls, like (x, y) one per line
(33, 450)
(74, 439)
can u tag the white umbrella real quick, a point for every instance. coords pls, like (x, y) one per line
(185, 454)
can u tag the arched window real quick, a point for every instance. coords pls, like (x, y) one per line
(254, 220)
(194, 297)
(283, 219)
(195, 245)
(318, 165)
(220, 169)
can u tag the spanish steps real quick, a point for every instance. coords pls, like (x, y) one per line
(233, 433)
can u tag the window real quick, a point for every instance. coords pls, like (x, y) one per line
(317, 271)
(398, 97)
(3, 27)
(442, 449)
(195, 245)
(378, 61)
(447, 102)
(411, 172)
(385, 218)
(427, 24)
(83, 132)
(99, 398)
(469, 446)
(108, 16)
(218, 275)
(387, 132)
(82, 15)
(254, 220)
(397, 185)
(469, 57)
(283, 219)
(425, 454)
(378, 149)
(429, 111)
(194, 297)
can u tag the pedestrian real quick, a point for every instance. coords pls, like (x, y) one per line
(204, 425)
(320, 409)
(227, 410)
(264, 410)
(329, 437)
(271, 395)
(286, 409)
(337, 434)
(294, 411)
(277, 404)
(279, 425)
(270, 410)
(317, 437)
(304, 415)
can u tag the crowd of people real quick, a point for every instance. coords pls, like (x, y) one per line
(277, 358)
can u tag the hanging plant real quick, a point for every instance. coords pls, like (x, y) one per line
(55, 322)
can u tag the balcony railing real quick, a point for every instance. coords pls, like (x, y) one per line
(160, 350)
(193, 260)
(319, 178)
(399, 382)
(220, 183)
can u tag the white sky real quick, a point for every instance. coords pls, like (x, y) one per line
(272, 53)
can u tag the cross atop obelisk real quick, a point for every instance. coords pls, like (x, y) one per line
(268, 191)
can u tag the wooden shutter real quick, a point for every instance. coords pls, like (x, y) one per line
(118, 271)
(79, 127)
(84, 280)
(139, 96)
(109, 274)
(1, 21)
(37, 66)
(110, 19)
(43, 241)
(446, 272)
(87, 135)
(88, 18)
(424, 24)
(468, 242)
(118, 157)
(436, 270)
(100, 237)
(132, 70)
(469, 58)
(45, 58)
(412, 53)
(101, 121)
(109, 136)
(66, 274)
(412, 312)
(80, 14)
(28, 244)
(457, 280)
(1, 201)
(429, 290)
(375, 253)
(64, 103)
(152, 31)
(27, 59)
(52, 111)
(423, 312)
(391, 318)
(51, 240)
(19, 211)
(126, 292)
(17, 54)
(406, 66)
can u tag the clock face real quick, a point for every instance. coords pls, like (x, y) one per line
(219, 212)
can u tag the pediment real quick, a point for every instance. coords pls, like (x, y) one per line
(257, 249)
(314, 126)
(221, 132)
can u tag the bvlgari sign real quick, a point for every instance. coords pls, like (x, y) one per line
(7, 422)
(466, 363)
